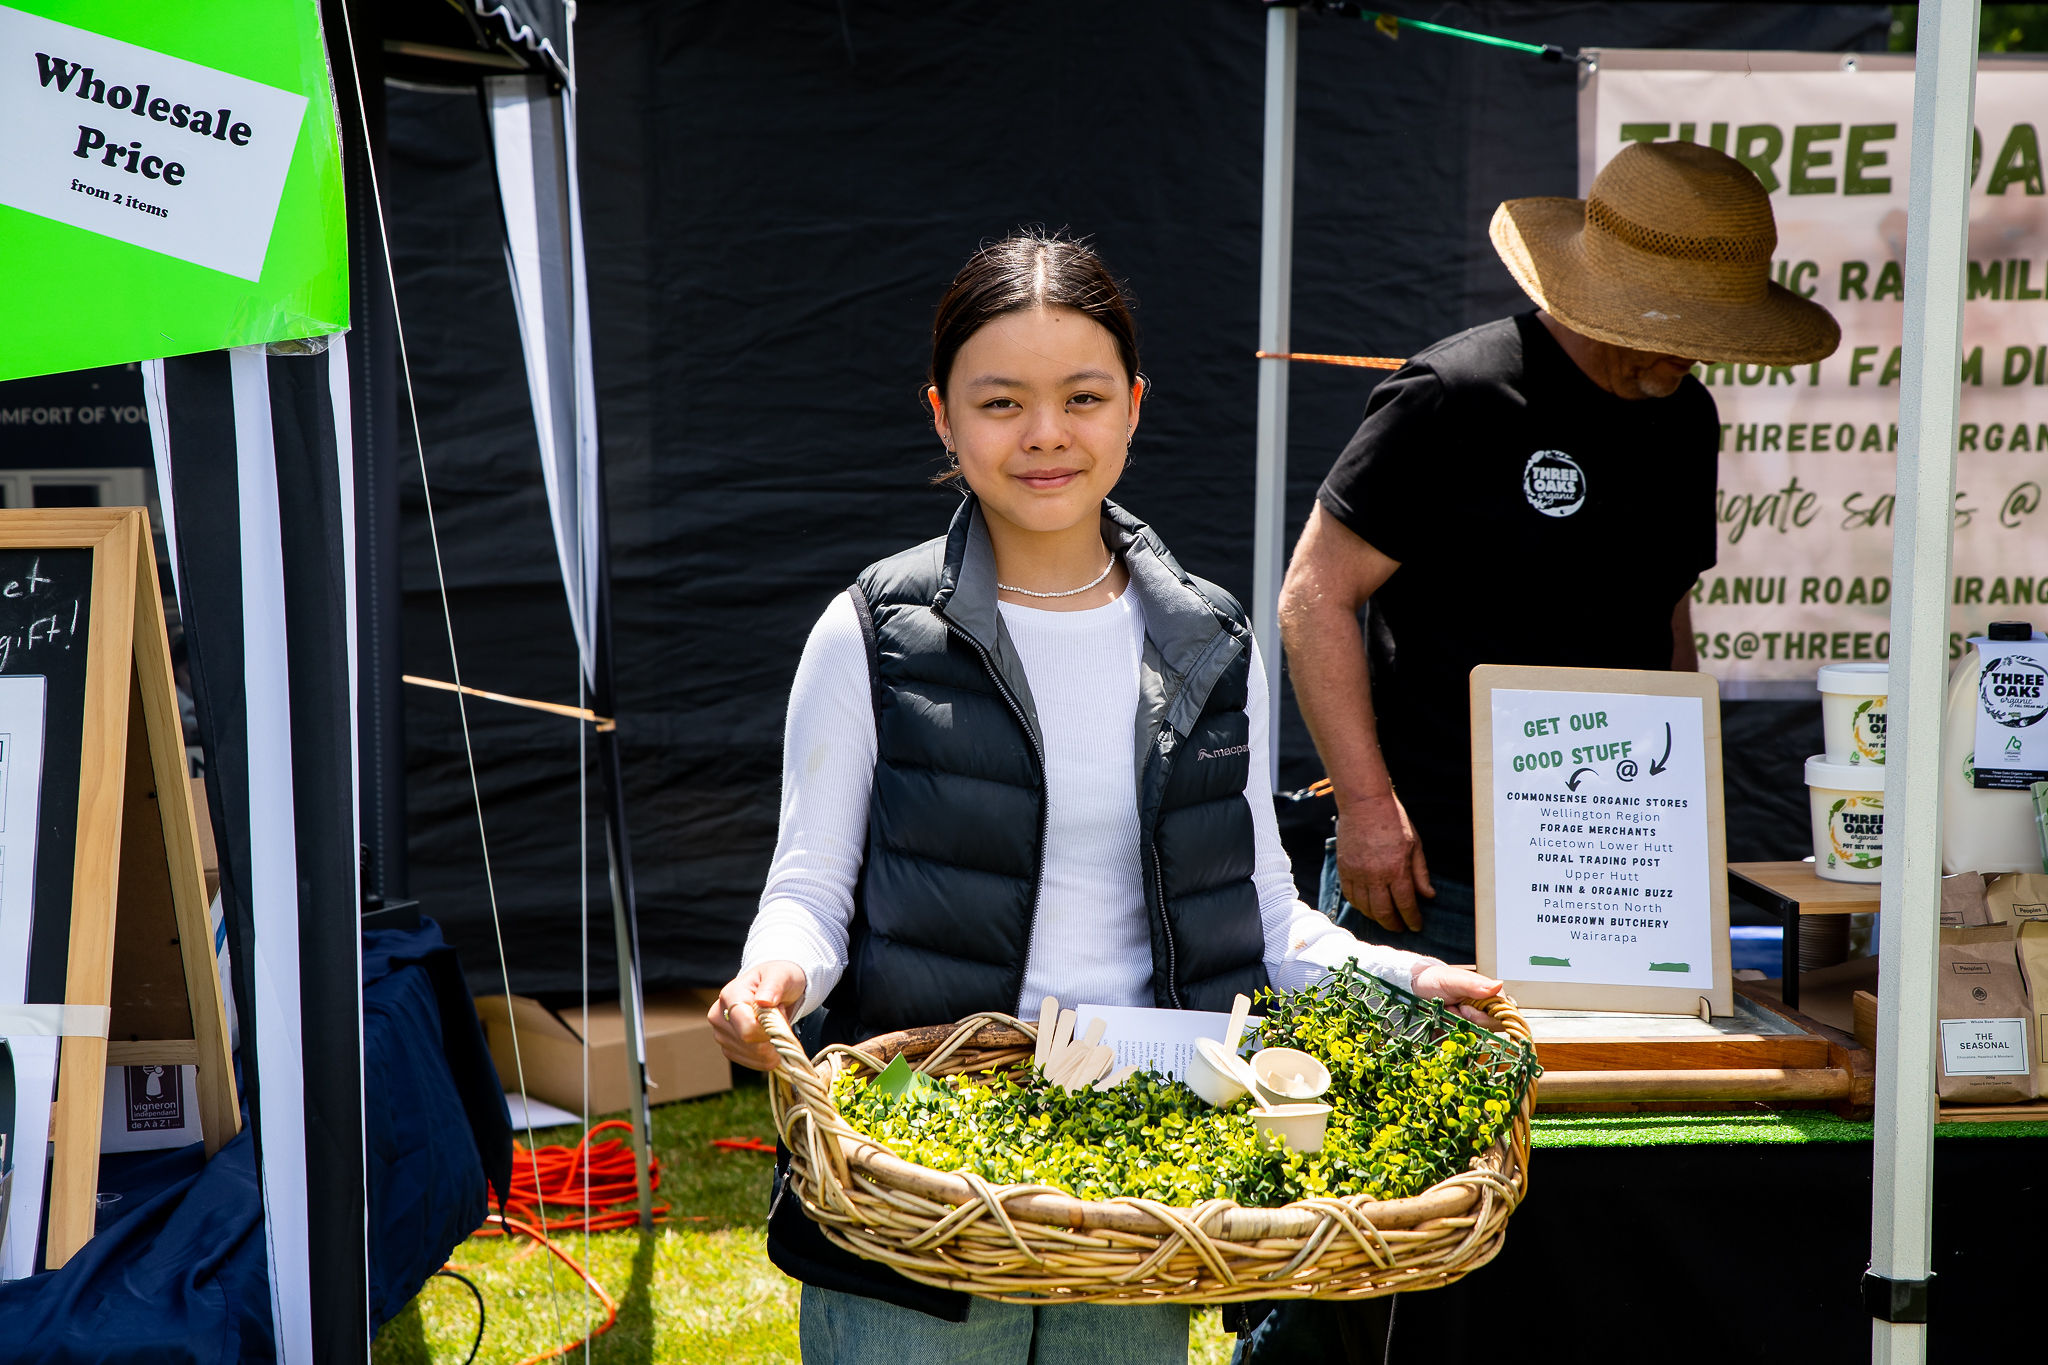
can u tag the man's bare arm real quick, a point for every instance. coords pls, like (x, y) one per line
(1333, 573)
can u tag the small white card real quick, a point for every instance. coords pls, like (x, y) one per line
(1984, 1047)
(142, 147)
(1154, 1039)
(147, 1108)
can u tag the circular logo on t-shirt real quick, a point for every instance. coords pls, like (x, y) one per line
(1553, 483)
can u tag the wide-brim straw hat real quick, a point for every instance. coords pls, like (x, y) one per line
(1669, 252)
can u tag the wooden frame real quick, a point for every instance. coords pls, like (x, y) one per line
(1687, 999)
(138, 888)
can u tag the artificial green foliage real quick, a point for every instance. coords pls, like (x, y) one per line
(1416, 1094)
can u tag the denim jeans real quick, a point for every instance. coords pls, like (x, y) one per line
(1447, 923)
(850, 1329)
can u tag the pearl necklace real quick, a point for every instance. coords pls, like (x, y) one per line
(1070, 592)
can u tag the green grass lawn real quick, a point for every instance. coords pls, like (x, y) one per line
(696, 1290)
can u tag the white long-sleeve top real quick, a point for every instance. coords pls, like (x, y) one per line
(1092, 940)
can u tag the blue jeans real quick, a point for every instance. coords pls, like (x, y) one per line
(851, 1329)
(1447, 923)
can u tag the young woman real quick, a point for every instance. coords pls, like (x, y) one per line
(1024, 759)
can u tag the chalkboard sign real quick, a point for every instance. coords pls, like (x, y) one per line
(118, 965)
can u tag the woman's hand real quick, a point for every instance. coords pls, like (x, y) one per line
(777, 985)
(1457, 986)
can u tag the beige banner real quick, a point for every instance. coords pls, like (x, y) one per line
(1807, 453)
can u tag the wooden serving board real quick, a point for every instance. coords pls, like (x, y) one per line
(1811, 892)
(1764, 1053)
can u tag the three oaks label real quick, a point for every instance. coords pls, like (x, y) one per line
(1856, 831)
(1866, 731)
(2012, 705)
(1600, 844)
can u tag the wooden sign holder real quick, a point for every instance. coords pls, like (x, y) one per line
(1488, 678)
(140, 945)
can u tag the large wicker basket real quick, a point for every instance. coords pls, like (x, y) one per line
(1033, 1244)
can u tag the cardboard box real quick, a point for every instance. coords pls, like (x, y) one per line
(683, 1060)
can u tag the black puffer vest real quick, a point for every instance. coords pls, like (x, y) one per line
(944, 907)
(956, 821)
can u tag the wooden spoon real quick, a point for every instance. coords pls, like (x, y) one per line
(1240, 1008)
(1048, 1016)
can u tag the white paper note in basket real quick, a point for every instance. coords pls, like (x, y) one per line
(1153, 1039)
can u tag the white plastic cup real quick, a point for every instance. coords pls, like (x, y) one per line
(1286, 1075)
(1852, 712)
(1847, 804)
(1300, 1126)
(1212, 1076)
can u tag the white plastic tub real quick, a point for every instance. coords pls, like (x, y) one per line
(1847, 801)
(1852, 712)
(1300, 1126)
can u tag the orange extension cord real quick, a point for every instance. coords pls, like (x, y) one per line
(611, 1305)
(589, 1175)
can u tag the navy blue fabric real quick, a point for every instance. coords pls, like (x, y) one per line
(443, 1128)
(128, 1180)
(470, 1068)
(426, 1185)
(181, 1280)
(177, 1273)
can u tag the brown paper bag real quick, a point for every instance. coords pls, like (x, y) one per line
(2033, 942)
(1983, 1045)
(1963, 902)
(2018, 896)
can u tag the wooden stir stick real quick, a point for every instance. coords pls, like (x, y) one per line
(1065, 1060)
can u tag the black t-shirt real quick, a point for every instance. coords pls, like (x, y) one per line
(1537, 518)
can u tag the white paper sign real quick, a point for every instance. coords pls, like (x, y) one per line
(21, 770)
(1984, 1047)
(147, 149)
(2012, 702)
(35, 1087)
(1600, 839)
(34, 1058)
(1154, 1039)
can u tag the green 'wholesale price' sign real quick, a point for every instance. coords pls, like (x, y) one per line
(170, 180)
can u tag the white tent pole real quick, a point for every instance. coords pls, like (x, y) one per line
(1276, 287)
(1930, 395)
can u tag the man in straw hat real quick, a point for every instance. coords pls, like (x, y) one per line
(1538, 490)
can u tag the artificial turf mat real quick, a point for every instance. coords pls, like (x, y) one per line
(1764, 1126)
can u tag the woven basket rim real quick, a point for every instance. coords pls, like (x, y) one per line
(1505, 1161)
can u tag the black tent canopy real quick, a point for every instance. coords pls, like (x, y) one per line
(438, 41)
(774, 201)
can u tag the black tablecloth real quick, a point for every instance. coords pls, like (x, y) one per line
(1740, 1253)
